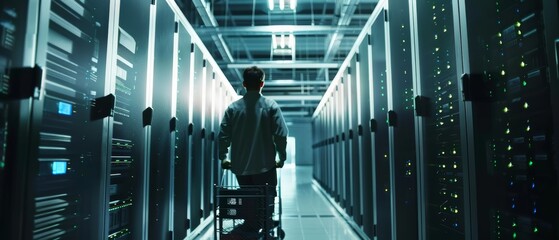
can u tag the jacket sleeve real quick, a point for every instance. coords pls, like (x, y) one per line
(280, 132)
(224, 136)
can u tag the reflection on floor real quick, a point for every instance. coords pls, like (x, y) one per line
(307, 215)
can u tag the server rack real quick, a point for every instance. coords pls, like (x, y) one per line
(196, 150)
(401, 118)
(355, 163)
(20, 79)
(126, 189)
(161, 152)
(69, 193)
(509, 71)
(446, 206)
(383, 160)
(205, 134)
(182, 143)
(368, 170)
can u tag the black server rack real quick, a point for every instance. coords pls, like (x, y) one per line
(401, 118)
(345, 156)
(509, 86)
(125, 188)
(444, 150)
(182, 144)
(331, 176)
(339, 147)
(205, 139)
(325, 181)
(353, 139)
(378, 97)
(333, 155)
(365, 134)
(196, 147)
(69, 193)
(161, 151)
(19, 80)
(207, 130)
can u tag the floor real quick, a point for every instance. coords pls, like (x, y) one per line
(307, 214)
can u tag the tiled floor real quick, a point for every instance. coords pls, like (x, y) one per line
(307, 215)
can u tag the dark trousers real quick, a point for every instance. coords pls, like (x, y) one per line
(255, 217)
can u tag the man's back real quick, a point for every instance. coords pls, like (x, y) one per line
(253, 126)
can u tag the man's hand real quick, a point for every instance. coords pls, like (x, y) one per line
(225, 164)
(279, 164)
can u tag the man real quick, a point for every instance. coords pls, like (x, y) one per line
(255, 129)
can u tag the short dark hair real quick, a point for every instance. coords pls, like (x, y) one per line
(252, 77)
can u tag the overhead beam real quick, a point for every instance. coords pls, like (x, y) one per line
(296, 105)
(295, 97)
(267, 30)
(282, 83)
(285, 64)
(296, 114)
(300, 17)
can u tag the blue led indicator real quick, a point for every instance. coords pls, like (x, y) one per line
(533, 185)
(64, 108)
(513, 206)
(58, 168)
(535, 210)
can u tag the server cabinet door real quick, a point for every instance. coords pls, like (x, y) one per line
(160, 157)
(401, 119)
(182, 144)
(341, 145)
(509, 79)
(381, 156)
(365, 155)
(207, 159)
(126, 189)
(355, 163)
(70, 181)
(348, 140)
(214, 131)
(196, 148)
(443, 146)
(17, 20)
(339, 148)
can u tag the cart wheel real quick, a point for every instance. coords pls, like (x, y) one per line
(281, 233)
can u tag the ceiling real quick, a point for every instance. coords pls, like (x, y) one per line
(238, 33)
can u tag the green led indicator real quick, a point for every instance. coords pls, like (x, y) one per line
(508, 131)
(524, 83)
(522, 64)
(2, 164)
(526, 105)
(536, 229)
(528, 129)
(513, 235)
(506, 110)
(530, 163)
(510, 165)
(514, 224)
(509, 147)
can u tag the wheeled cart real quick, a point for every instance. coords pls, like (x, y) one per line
(248, 212)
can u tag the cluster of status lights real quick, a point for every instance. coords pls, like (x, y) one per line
(281, 4)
